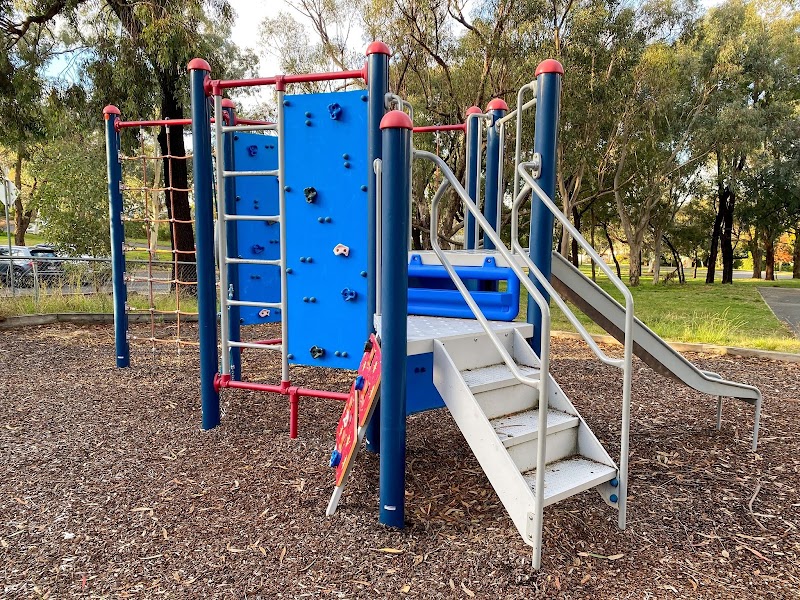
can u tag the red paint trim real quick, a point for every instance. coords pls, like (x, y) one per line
(155, 123)
(228, 103)
(396, 119)
(217, 85)
(198, 64)
(497, 104)
(549, 66)
(432, 128)
(474, 110)
(111, 110)
(378, 47)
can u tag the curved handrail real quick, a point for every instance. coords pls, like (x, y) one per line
(543, 281)
(544, 307)
(627, 364)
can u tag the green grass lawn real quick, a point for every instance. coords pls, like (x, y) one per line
(729, 315)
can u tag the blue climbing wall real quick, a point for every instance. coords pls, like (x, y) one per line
(326, 208)
(257, 239)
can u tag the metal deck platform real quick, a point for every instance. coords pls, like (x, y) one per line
(423, 330)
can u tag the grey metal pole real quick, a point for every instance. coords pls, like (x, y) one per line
(6, 200)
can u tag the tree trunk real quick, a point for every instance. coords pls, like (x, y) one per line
(769, 251)
(796, 253)
(755, 250)
(726, 238)
(635, 262)
(656, 255)
(22, 218)
(611, 250)
(576, 218)
(677, 258)
(176, 179)
(594, 245)
(712, 252)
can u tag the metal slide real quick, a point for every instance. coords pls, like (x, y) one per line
(592, 300)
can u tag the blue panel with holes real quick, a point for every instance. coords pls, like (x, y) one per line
(421, 394)
(326, 219)
(257, 239)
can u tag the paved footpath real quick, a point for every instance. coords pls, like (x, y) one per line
(785, 303)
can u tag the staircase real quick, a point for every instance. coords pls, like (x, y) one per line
(499, 417)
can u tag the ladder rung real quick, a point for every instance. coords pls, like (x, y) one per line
(253, 304)
(268, 218)
(251, 261)
(254, 346)
(272, 173)
(264, 127)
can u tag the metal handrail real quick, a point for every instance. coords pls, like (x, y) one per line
(562, 305)
(544, 356)
(627, 361)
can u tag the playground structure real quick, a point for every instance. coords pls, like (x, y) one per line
(312, 231)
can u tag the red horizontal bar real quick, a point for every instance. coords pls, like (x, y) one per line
(281, 389)
(156, 123)
(433, 128)
(280, 81)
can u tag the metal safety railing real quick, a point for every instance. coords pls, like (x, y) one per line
(626, 362)
(542, 382)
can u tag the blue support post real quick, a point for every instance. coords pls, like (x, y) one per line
(121, 345)
(545, 141)
(396, 127)
(377, 87)
(473, 173)
(234, 322)
(497, 108)
(204, 241)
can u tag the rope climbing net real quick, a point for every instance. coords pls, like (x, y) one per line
(161, 273)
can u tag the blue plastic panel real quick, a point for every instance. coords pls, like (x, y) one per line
(256, 239)
(326, 208)
(431, 291)
(421, 394)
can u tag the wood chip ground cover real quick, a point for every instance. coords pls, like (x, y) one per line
(109, 489)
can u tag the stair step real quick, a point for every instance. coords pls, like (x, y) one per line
(524, 426)
(569, 476)
(493, 377)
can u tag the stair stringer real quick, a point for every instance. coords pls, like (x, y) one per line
(588, 444)
(492, 455)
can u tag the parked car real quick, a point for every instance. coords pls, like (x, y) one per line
(51, 269)
(26, 267)
(20, 263)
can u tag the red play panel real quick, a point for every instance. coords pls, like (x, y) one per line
(358, 406)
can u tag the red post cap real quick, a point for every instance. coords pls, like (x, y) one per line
(497, 104)
(198, 64)
(474, 110)
(549, 66)
(378, 47)
(396, 119)
(111, 110)
(228, 103)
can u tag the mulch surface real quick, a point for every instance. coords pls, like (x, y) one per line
(109, 489)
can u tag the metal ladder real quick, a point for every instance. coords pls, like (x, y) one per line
(226, 291)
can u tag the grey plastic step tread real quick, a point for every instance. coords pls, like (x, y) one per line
(567, 477)
(524, 426)
(494, 377)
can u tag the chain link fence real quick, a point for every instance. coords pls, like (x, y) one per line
(33, 284)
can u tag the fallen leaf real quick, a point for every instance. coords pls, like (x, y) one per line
(452, 585)
(233, 550)
(585, 579)
(726, 554)
(405, 589)
(283, 553)
(467, 591)
(390, 550)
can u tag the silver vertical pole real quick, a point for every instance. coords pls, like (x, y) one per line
(10, 264)
(222, 238)
(282, 212)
